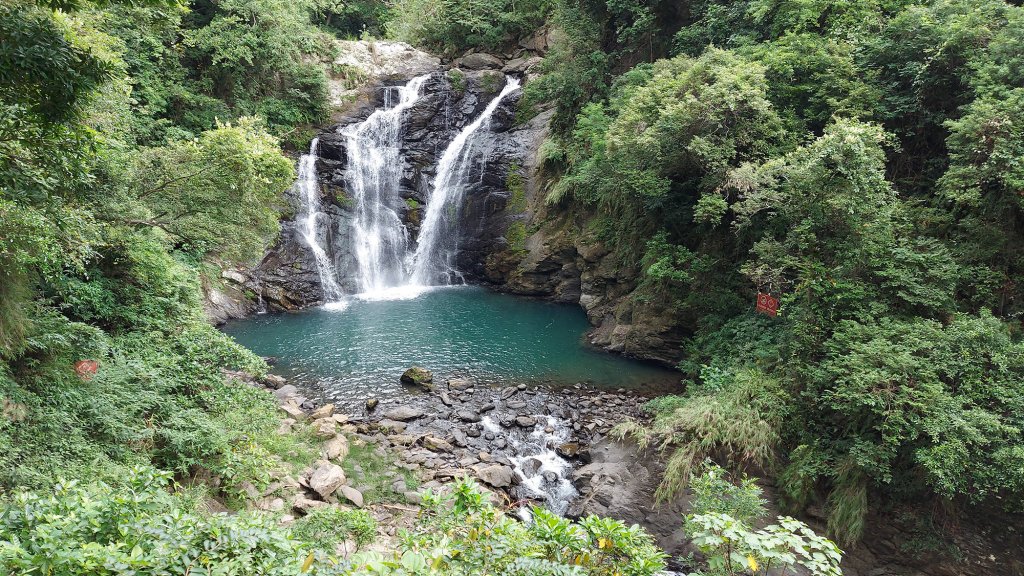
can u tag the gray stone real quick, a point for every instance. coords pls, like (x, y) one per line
(459, 383)
(436, 444)
(326, 479)
(352, 495)
(524, 65)
(291, 410)
(303, 505)
(325, 411)
(526, 421)
(285, 392)
(568, 450)
(274, 381)
(418, 376)
(286, 426)
(481, 61)
(403, 413)
(325, 428)
(496, 475)
(468, 416)
(336, 448)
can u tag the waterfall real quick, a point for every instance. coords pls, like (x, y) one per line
(309, 191)
(434, 259)
(381, 241)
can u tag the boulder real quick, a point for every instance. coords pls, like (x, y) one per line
(459, 383)
(435, 444)
(352, 495)
(495, 475)
(286, 426)
(526, 421)
(531, 466)
(292, 410)
(325, 411)
(568, 450)
(285, 392)
(481, 61)
(271, 504)
(468, 416)
(326, 479)
(371, 404)
(303, 505)
(325, 428)
(336, 448)
(392, 426)
(403, 413)
(417, 376)
(523, 65)
(402, 439)
(274, 381)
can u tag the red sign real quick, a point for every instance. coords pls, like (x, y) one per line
(86, 368)
(767, 304)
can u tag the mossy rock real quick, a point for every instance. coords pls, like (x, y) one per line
(417, 376)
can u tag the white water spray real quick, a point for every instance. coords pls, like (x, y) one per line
(309, 191)
(434, 260)
(374, 173)
(542, 473)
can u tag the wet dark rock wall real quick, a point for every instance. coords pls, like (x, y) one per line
(287, 276)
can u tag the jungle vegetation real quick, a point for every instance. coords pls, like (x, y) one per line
(862, 161)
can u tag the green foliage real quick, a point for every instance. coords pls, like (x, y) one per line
(714, 493)
(138, 527)
(734, 417)
(733, 547)
(325, 527)
(455, 25)
(368, 465)
(720, 525)
(457, 80)
(353, 19)
(214, 196)
(461, 534)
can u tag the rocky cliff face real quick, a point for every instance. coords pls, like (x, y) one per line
(451, 98)
(508, 238)
(560, 258)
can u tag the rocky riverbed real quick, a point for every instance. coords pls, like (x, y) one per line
(529, 445)
(524, 445)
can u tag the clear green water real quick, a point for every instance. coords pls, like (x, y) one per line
(359, 351)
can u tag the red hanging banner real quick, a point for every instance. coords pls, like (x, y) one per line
(767, 304)
(86, 368)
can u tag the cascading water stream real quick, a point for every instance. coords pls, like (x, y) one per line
(374, 173)
(309, 191)
(434, 260)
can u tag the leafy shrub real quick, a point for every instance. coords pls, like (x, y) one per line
(720, 526)
(323, 528)
(138, 527)
(735, 416)
(455, 25)
(732, 547)
(462, 534)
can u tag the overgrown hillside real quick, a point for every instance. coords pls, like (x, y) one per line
(863, 162)
(140, 152)
(860, 161)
